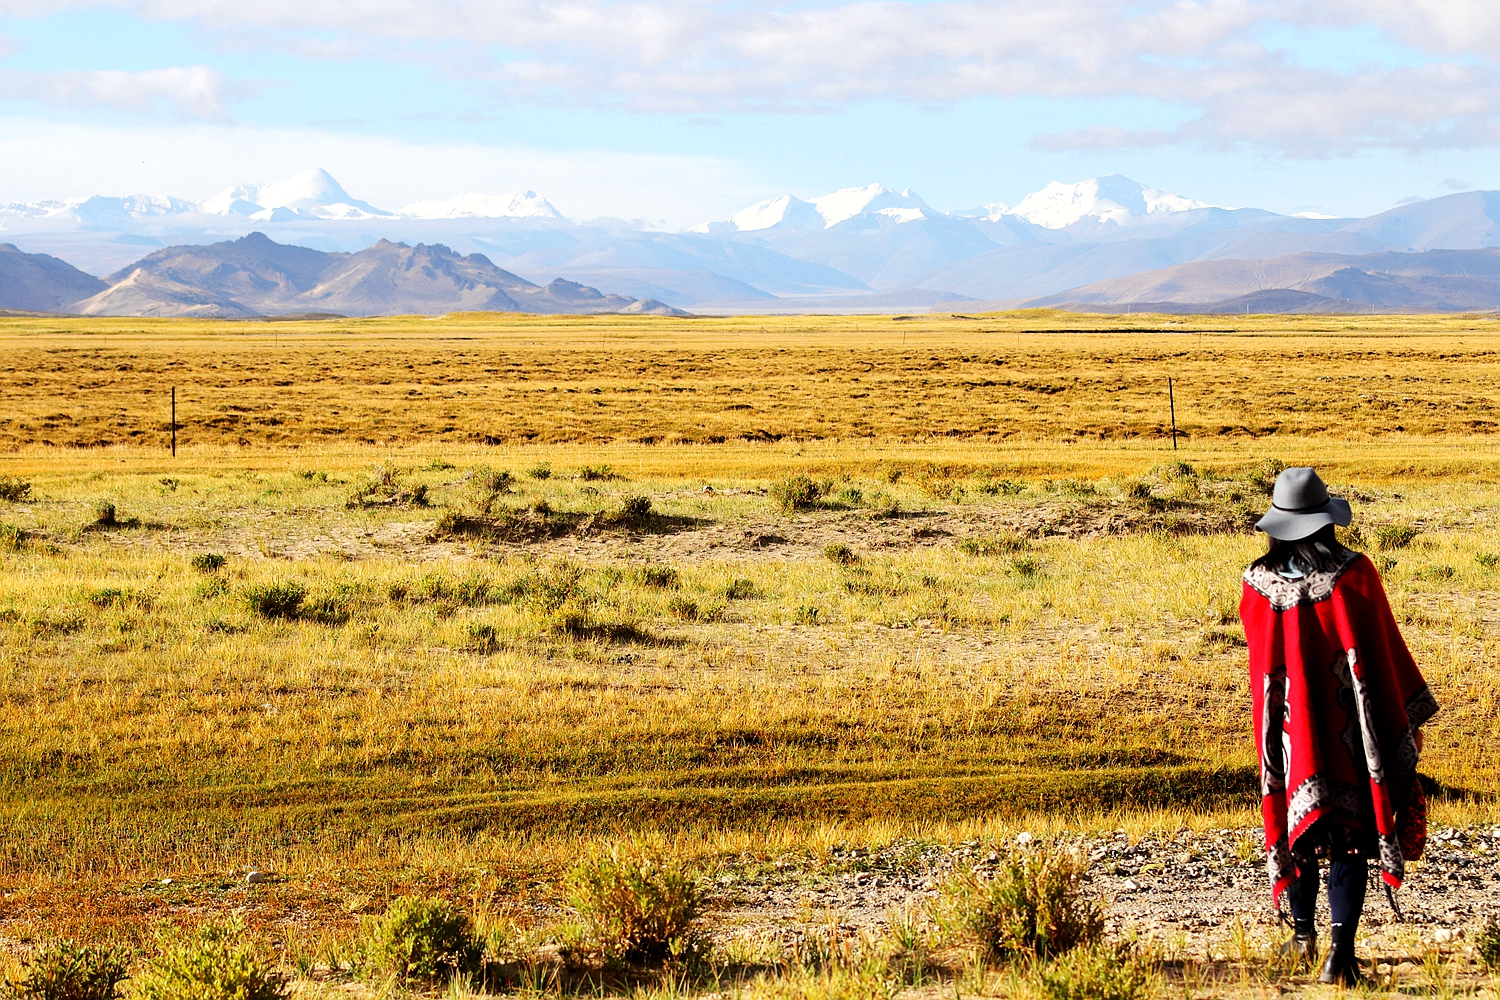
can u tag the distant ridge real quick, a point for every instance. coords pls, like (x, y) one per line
(256, 276)
(1430, 281)
(37, 283)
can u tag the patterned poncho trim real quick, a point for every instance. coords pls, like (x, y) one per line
(1338, 700)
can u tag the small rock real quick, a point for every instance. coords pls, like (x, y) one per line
(255, 877)
(1129, 886)
(165, 881)
(1446, 935)
(1023, 838)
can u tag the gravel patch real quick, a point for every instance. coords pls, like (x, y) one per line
(1191, 891)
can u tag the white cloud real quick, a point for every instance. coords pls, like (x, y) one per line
(1201, 58)
(197, 161)
(189, 91)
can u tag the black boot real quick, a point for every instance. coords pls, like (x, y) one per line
(1342, 968)
(1302, 949)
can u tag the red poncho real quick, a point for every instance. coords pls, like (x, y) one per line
(1338, 700)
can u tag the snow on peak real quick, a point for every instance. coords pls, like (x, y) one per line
(517, 205)
(846, 203)
(788, 211)
(312, 194)
(1109, 199)
(791, 212)
(902, 214)
(97, 209)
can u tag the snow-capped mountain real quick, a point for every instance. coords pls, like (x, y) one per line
(96, 208)
(1109, 199)
(824, 212)
(312, 194)
(846, 203)
(788, 211)
(517, 205)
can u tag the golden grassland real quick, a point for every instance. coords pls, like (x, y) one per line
(1034, 623)
(514, 380)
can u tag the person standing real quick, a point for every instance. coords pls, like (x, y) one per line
(1338, 703)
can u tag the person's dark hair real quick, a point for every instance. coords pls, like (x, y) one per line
(1319, 552)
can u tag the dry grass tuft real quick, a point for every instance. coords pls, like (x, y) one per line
(1033, 907)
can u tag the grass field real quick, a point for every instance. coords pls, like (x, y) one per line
(1005, 600)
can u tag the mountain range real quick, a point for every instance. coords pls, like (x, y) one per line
(1104, 243)
(255, 276)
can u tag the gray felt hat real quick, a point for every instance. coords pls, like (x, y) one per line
(1300, 505)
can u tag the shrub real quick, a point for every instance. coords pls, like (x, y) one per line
(208, 562)
(472, 590)
(1032, 907)
(420, 938)
(1488, 560)
(207, 590)
(849, 496)
(1139, 492)
(385, 487)
(596, 473)
(106, 597)
(1025, 567)
(1003, 487)
(1394, 536)
(1263, 476)
(105, 515)
(14, 490)
(276, 600)
(487, 486)
(840, 553)
(796, 493)
(12, 538)
(1098, 972)
(689, 610)
(1487, 944)
(657, 576)
(638, 906)
(634, 508)
(65, 971)
(213, 963)
(807, 615)
(540, 470)
(483, 639)
(739, 590)
(328, 609)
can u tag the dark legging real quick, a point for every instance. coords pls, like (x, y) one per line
(1346, 893)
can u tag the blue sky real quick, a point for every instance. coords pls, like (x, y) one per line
(677, 112)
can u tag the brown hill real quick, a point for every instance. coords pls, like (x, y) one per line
(255, 275)
(35, 282)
